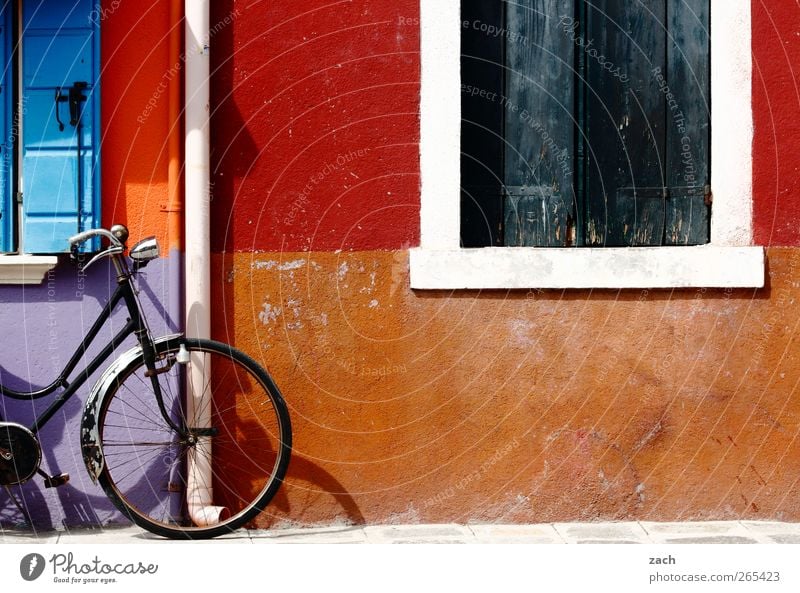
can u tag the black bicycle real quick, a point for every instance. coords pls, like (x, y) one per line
(189, 438)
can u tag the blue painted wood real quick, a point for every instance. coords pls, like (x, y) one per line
(7, 131)
(61, 192)
(648, 123)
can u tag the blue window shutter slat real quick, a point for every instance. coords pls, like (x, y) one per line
(6, 137)
(61, 191)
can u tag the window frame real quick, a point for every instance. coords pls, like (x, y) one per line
(20, 265)
(728, 261)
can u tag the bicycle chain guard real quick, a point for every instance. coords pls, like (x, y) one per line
(20, 453)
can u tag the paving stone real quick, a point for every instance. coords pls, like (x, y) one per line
(771, 526)
(418, 533)
(13, 536)
(689, 527)
(669, 532)
(609, 541)
(516, 534)
(714, 539)
(709, 532)
(316, 535)
(574, 532)
(136, 535)
(427, 541)
(785, 538)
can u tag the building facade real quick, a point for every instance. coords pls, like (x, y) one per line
(419, 391)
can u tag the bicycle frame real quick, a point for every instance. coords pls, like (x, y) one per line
(135, 325)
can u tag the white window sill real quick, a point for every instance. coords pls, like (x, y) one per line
(25, 269)
(706, 266)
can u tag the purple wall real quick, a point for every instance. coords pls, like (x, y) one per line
(40, 327)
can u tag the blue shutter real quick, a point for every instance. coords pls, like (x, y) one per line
(6, 129)
(61, 55)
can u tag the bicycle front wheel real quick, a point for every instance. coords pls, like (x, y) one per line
(218, 461)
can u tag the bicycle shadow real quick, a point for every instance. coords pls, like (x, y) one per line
(251, 432)
(33, 503)
(304, 471)
(52, 315)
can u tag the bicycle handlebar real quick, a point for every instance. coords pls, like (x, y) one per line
(86, 235)
(117, 236)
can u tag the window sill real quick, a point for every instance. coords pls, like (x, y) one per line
(706, 266)
(25, 269)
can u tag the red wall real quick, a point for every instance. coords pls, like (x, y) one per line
(298, 86)
(776, 110)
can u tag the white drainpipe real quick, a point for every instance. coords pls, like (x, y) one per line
(197, 174)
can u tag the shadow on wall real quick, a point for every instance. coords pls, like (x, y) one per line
(42, 326)
(304, 473)
(232, 148)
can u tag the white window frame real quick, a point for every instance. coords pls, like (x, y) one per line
(20, 267)
(728, 261)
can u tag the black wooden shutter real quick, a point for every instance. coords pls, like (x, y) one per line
(482, 144)
(539, 124)
(604, 111)
(688, 123)
(647, 122)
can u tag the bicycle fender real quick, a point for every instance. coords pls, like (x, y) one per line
(90, 431)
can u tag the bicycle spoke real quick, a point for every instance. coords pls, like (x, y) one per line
(150, 389)
(137, 444)
(137, 428)
(144, 405)
(148, 464)
(137, 412)
(231, 464)
(139, 463)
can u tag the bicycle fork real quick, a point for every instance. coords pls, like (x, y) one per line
(191, 434)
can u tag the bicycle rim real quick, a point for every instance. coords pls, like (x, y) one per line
(221, 468)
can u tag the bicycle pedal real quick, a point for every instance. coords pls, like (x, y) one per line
(56, 481)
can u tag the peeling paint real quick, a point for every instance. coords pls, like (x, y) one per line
(294, 304)
(272, 265)
(521, 330)
(269, 313)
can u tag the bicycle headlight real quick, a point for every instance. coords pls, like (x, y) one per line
(144, 251)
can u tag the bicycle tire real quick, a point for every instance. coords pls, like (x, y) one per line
(146, 475)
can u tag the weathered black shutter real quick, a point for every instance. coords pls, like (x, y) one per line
(647, 122)
(482, 145)
(688, 123)
(603, 108)
(539, 123)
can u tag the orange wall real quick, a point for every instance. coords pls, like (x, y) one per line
(135, 61)
(507, 406)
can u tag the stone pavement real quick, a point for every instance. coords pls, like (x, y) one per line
(712, 532)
